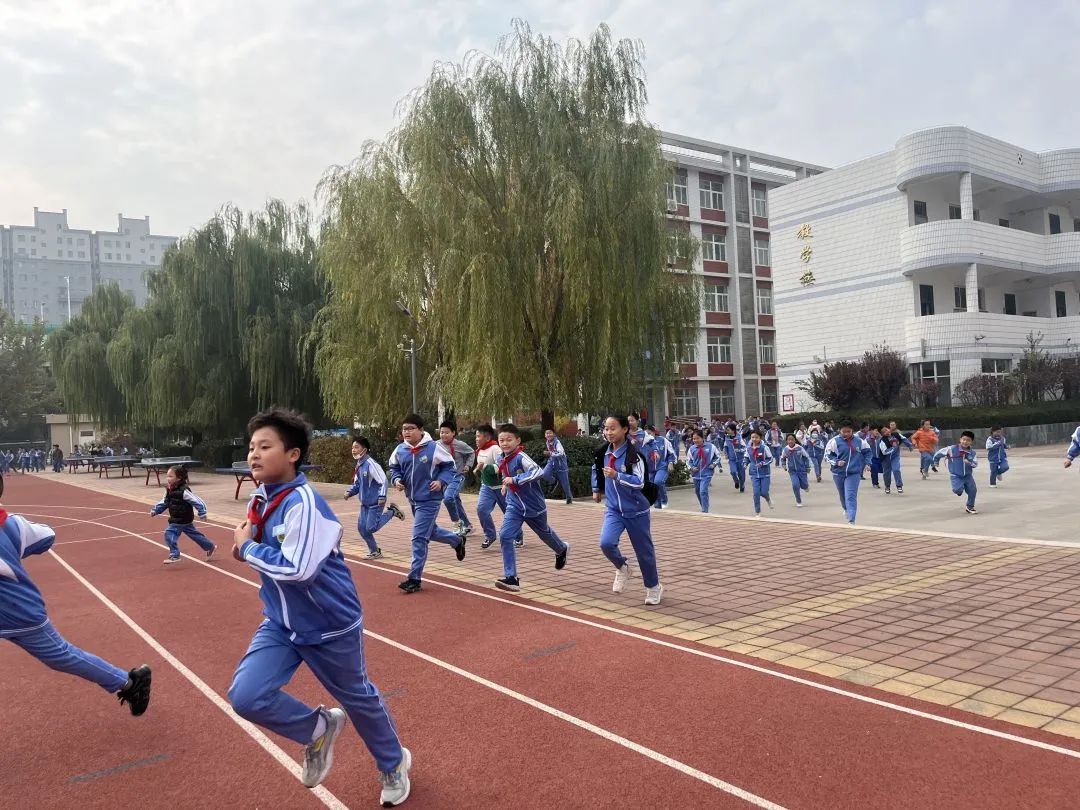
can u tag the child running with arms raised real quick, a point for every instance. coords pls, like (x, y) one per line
(796, 460)
(182, 504)
(961, 461)
(369, 482)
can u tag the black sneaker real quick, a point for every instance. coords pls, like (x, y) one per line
(459, 550)
(519, 543)
(569, 500)
(410, 585)
(560, 559)
(899, 490)
(136, 692)
(971, 510)
(488, 542)
(887, 490)
(393, 510)
(508, 584)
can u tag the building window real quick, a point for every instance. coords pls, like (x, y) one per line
(21, 251)
(82, 241)
(721, 399)
(768, 398)
(761, 203)
(982, 300)
(714, 247)
(676, 189)
(1004, 223)
(711, 193)
(689, 353)
(926, 299)
(59, 240)
(679, 250)
(1055, 224)
(933, 379)
(82, 254)
(1010, 304)
(716, 298)
(718, 348)
(1076, 224)
(766, 349)
(920, 213)
(684, 401)
(959, 299)
(761, 252)
(954, 212)
(764, 300)
(996, 367)
(1059, 303)
(108, 256)
(22, 237)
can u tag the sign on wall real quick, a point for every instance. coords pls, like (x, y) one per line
(805, 234)
(789, 403)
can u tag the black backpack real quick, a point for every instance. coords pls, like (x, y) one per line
(648, 488)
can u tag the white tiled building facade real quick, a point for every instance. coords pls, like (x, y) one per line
(952, 249)
(40, 261)
(719, 194)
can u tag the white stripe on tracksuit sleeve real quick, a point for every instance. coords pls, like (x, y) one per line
(378, 476)
(34, 538)
(309, 539)
(530, 471)
(195, 501)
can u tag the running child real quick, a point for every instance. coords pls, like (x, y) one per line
(876, 467)
(890, 443)
(369, 482)
(759, 461)
(422, 469)
(702, 460)
(619, 478)
(775, 440)
(847, 456)
(25, 623)
(735, 449)
(463, 456)
(961, 463)
(557, 466)
(996, 455)
(292, 539)
(660, 455)
(487, 469)
(796, 460)
(815, 449)
(637, 435)
(524, 504)
(1071, 453)
(182, 504)
(925, 440)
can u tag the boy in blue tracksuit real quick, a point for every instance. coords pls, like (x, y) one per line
(25, 623)
(557, 467)
(673, 437)
(796, 460)
(961, 464)
(847, 456)
(888, 451)
(463, 456)
(619, 477)
(815, 449)
(422, 469)
(759, 461)
(735, 449)
(369, 482)
(660, 455)
(996, 455)
(487, 463)
(702, 460)
(312, 614)
(1074, 448)
(525, 503)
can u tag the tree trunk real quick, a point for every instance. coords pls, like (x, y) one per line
(547, 420)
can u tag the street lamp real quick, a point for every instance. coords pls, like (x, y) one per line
(68, 280)
(411, 351)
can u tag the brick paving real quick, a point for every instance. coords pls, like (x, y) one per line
(986, 626)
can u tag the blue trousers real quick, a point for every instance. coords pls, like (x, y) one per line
(799, 483)
(776, 448)
(701, 489)
(816, 459)
(890, 470)
(452, 499)
(511, 531)
(56, 652)
(997, 469)
(660, 479)
(424, 531)
(173, 532)
(875, 470)
(370, 520)
(738, 474)
(269, 664)
(485, 505)
(848, 487)
(759, 485)
(965, 484)
(558, 471)
(926, 461)
(640, 533)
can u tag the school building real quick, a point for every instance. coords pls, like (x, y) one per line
(719, 195)
(953, 248)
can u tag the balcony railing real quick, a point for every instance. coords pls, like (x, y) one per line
(957, 242)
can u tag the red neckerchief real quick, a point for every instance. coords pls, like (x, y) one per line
(490, 443)
(258, 519)
(414, 450)
(551, 445)
(3, 515)
(757, 453)
(504, 466)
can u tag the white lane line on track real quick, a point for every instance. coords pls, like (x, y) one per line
(656, 756)
(88, 540)
(287, 762)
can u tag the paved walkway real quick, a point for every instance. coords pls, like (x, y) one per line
(981, 624)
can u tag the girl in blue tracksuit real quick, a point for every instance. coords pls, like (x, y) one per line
(292, 539)
(775, 439)
(525, 504)
(659, 454)
(25, 623)
(815, 448)
(796, 460)
(369, 482)
(735, 449)
(618, 478)
(759, 461)
(961, 462)
(702, 460)
(557, 467)
(996, 455)
(422, 469)
(847, 456)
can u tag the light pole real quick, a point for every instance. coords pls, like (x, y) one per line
(411, 351)
(68, 280)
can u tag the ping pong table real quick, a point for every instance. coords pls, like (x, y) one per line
(159, 465)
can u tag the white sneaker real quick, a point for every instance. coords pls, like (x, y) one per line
(319, 753)
(210, 553)
(769, 502)
(621, 576)
(396, 785)
(172, 560)
(652, 595)
(798, 506)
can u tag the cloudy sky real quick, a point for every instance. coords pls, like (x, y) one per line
(172, 107)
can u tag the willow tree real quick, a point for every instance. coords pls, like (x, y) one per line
(32, 389)
(518, 213)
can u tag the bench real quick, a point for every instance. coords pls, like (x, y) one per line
(159, 465)
(243, 473)
(125, 463)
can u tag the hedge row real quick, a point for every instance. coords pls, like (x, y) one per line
(1043, 413)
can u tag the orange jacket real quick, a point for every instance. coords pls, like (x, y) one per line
(924, 440)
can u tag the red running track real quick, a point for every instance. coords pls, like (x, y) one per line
(458, 670)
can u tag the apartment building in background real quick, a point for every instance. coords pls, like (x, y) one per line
(719, 195)
(952, 248)
(44, 265)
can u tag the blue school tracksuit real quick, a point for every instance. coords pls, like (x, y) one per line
(735, 450)
(775, 440)
(557, 467)
(673, 437)
(370, 484)
(759, 461)
(961, 465)
(524, 504)
(416, 468)
(463, 456)
(182, 504)
(313, 616)
(889, 452)
(846, 459)
(702, 462)
(659, 453)
(796, 460)
(997, 457)
(815, 449)
(1074, 446)
(626, 509)
(23, 619)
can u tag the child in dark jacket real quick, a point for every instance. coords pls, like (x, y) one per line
(182, 504)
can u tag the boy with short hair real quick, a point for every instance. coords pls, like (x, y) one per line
(422, 468)
(735, 449)
(996, 455)
(557, 466)
(487, 463)
(961, 462)
(463, 456)
(847, 456)
(369, 482)
(524, 504)
(292, 539)
(759, 461)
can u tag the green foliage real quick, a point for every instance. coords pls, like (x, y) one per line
(215, 453)
(518, 212)
(1045, 413)
(334, 455)
(30, 390)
